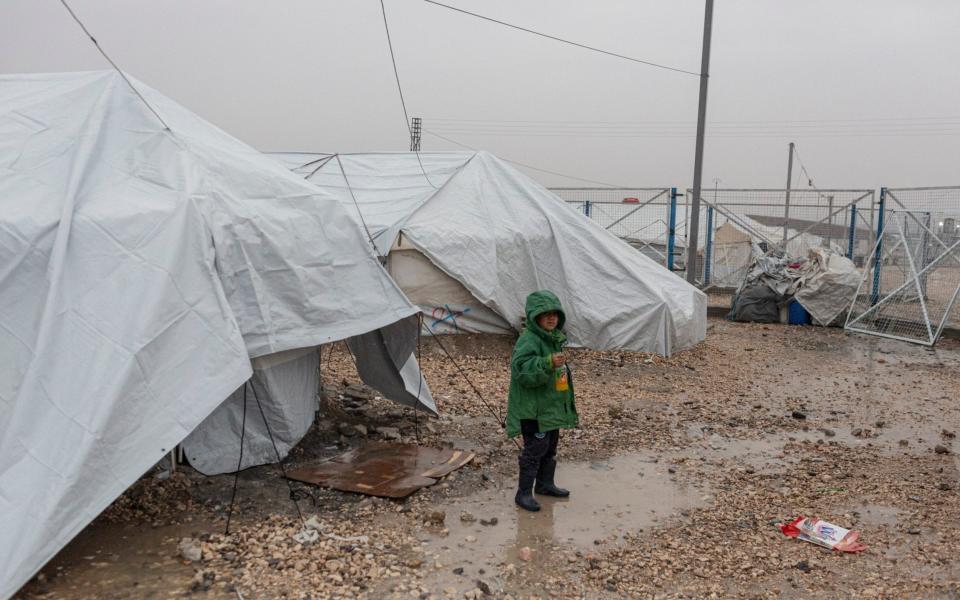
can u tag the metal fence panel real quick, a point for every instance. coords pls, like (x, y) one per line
(639, 216)
(921, 226)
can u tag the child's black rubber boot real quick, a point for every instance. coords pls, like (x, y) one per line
(545, 485)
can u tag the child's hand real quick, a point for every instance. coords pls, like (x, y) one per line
(558, 359)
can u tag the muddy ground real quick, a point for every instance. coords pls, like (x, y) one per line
(678, 474)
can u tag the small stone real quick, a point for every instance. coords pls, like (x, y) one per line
(945, 487)
(803, 566)
(526, 553)
(904, 443)
(489, 522)
(940, 449)
(798, 414)
(671, 470)
(467, 517)
(190, 549)
(436, 517)
(389, 433)
(470, 539)
(879, 424)
(858, 432)
(484, 587)
(202, 581)
(458, 571)
(357, 392)
(334, 565)
(829, 432)
(914, 531)
(414, 563)
(948, 434)
(361, 429)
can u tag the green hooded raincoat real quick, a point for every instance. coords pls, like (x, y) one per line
(533, 393)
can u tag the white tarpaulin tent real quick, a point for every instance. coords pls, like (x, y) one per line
(500, 235)
(141, 268)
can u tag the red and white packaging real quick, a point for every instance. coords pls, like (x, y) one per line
(823, 534)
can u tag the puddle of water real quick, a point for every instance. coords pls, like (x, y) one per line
(876, 515)
(114, 561)
(608, 498)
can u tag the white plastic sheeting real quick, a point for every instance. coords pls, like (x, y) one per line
(140, 269)
(827, 285)
(214, 446)
(502, 236)
(452, 308)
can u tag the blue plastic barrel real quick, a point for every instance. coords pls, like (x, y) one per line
(797, 314)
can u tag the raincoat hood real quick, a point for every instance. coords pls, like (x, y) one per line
(540, 302)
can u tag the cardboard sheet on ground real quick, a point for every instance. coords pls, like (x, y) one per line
(385, 470)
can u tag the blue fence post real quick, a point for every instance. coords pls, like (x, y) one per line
(708, 251)
(853, 231)
(878, 253)
(586, 208)
(672, 228)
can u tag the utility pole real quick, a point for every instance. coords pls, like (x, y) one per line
(415, 128)
(698, 153)
(786, 203)
(830, 219)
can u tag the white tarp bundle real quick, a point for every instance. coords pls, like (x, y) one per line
(140, 270)
(502, 236)
(828, 283)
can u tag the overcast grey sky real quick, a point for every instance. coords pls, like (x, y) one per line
(869, 90)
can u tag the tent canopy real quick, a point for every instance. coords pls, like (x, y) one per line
(140, 270)
(502, 236)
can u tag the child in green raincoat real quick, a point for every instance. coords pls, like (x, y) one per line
(541, 397)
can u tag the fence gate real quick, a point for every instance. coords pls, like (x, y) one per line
(735, 222)
(642, 217)
(909, 292)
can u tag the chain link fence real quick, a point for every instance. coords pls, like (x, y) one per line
(639, 216)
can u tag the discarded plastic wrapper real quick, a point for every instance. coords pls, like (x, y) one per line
(823, 534)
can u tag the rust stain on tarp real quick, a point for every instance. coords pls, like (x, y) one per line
(385, 470)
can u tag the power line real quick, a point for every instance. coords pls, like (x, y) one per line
(113, 64)
(557, 39)
(687, 122)
(393, 60)
(667, 128)
(515, 162)
(396, 73)
(720, 134)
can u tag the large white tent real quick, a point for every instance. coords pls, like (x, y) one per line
(141, 268)
(468, 237)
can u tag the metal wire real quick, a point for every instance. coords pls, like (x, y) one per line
(113, 64)
(283, 471)
(403, 104)
(236, 475)
(564, 41)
